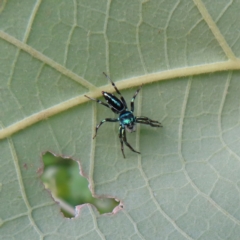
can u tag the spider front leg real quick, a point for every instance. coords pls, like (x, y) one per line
(103, 121)
(148, 121)
(104, 104)
(134, 96)
(123, 138)
(120, 137)
(113, 84)
(98, 101)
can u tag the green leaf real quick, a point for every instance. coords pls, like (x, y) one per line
(185, 183)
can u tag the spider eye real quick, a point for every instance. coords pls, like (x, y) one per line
(131, 128)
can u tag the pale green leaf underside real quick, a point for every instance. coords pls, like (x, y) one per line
(185, 183)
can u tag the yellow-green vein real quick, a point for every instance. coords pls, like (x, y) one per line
(36, 54)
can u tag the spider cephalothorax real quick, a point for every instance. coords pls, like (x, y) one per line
(126, 118)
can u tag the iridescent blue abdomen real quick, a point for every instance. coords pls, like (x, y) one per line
(127, 120)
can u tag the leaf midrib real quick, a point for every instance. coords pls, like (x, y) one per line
(123, 84)
(232, 64)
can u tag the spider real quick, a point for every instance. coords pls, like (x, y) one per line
(126, 118)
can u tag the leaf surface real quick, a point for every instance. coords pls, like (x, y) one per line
(185, 183)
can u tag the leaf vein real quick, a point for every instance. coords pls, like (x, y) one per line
(128, 83)
(215, 30)
(209, 199)
(22, 187)
(36, 54)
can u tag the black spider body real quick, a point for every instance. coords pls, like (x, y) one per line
(126, 118)
(117, 105)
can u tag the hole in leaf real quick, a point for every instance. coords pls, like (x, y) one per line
(61, 176)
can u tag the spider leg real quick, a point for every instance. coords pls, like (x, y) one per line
(134, 96)
(148, 121)
(121, 140)
(103, 121)
(113, 84)
(125, 141)
(104, 104)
